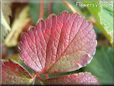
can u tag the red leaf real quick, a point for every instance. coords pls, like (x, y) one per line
(14, 74)
(74, 79)
(58, 44)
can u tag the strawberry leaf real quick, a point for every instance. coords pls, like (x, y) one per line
(59, 44)
(84, 78)
(14, 74)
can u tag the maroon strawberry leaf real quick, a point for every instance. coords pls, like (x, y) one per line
(59, 44)
(12, 73)
(84, 78)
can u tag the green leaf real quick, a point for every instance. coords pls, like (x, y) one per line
(102, 66)
(93, 7)
(103, 14)
(106, 19)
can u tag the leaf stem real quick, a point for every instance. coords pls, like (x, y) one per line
(41, 8)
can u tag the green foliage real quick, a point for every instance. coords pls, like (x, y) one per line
(106, 19)
(56, 6)
(102, 65)
(103, 14)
